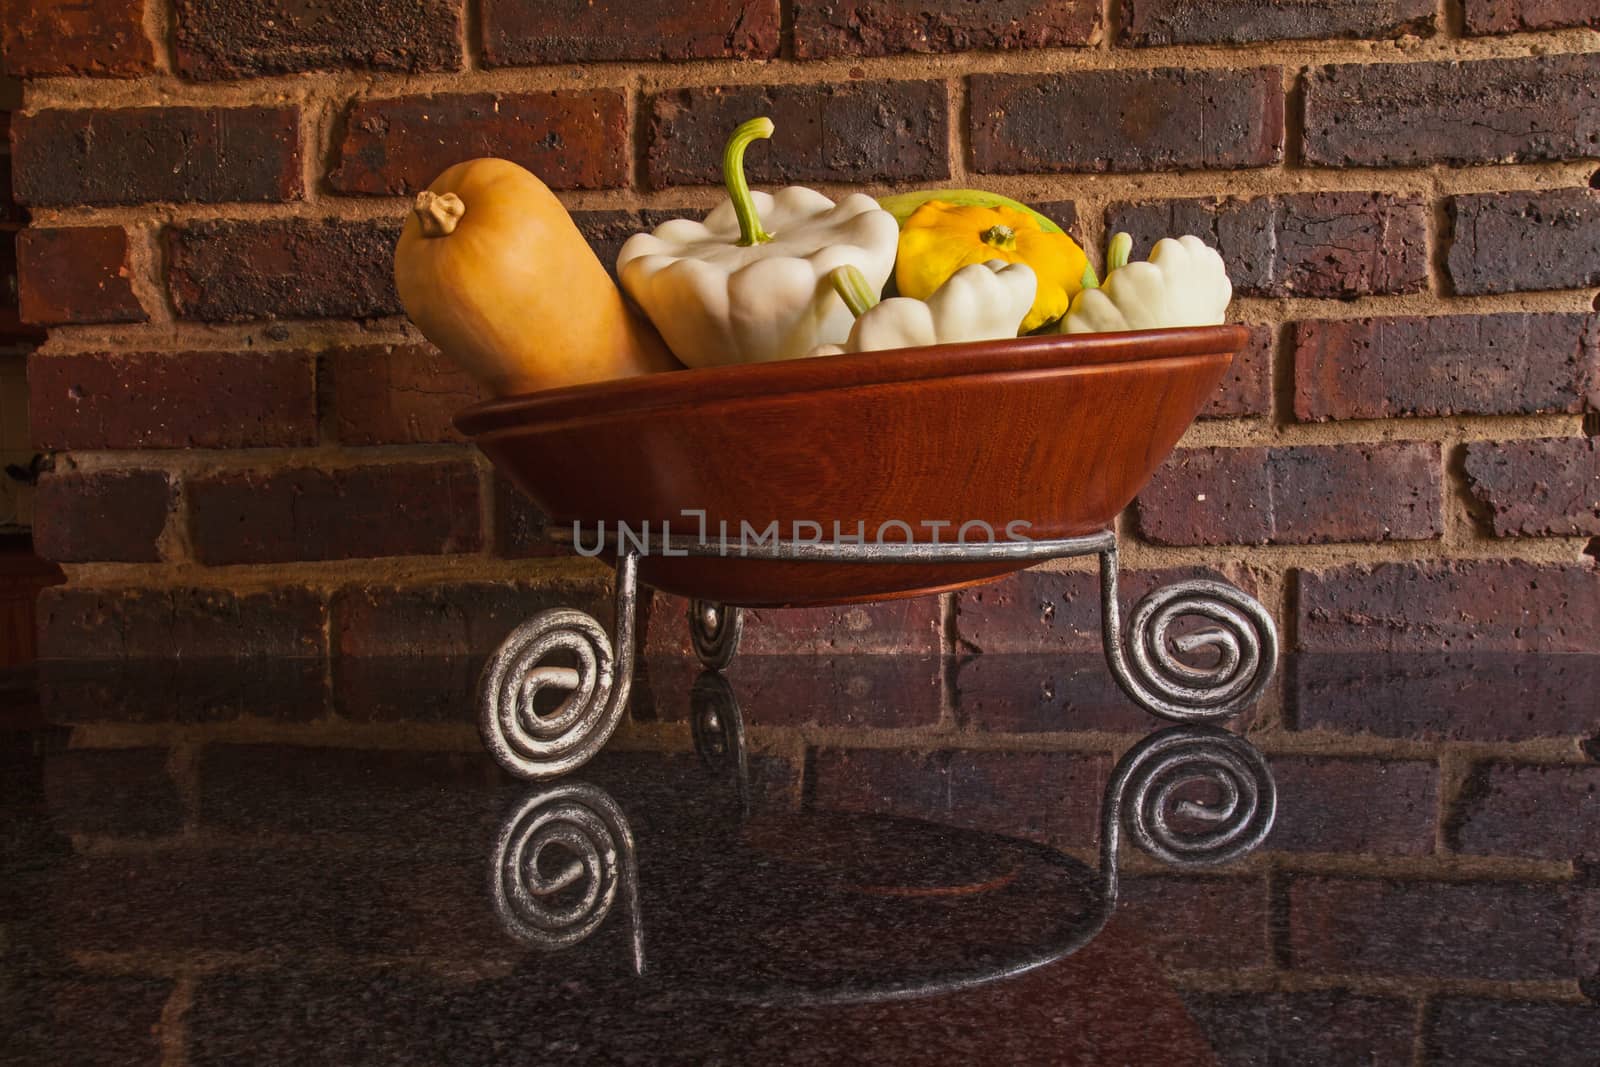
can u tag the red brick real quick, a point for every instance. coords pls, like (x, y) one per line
(123, 792)
(1056, 693)
(909, 625)
(901, 692)
(1517, 363)
(455, 619)
(97, 38)
(854, 132)
(1162, 119)
(1247, 387)
(607, 230)
(1517, 16)
(1543, 488)
(1326, 1028)
(214, 39)
(301, 513)
(86, 1019)
(131, 624)
(1477, 605)
(134, 155)
(1369, 806)
(397, 394)
(76, 276)
(1544, 812)
(1480, 1032)
(1510, 242)
(570, 139)
(1198, 922)
(521, 528)
(1299, 244)
(1488, 111)
(288, 268)
(519, 34)
(1063, 213)
(114, 516)
(1468, 696)
(1045, 611)
(1489, 930)
(1052, 797)
(862, 28)
(1309, 494)
(1167, 22)
(172, 400)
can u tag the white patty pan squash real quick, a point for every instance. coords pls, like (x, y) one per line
(1184, 283)
(979, 302)
(749, 283)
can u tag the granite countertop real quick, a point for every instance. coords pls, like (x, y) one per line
(808, 860)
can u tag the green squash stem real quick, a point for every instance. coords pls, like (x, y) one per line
(852, 287)
(1118, 251)
(744, 205)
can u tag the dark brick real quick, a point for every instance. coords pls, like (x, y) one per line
(1044, 611)
(130, 624)
(1247, 387)
(899, 692)
(855, 132)
(1052, 797)
(214, 684)
(520, 34)
(94, 38)
(291, 268)
(1167, 22)
(1063, 213)
(290, 514)
(570, 139)
(1198, 922)
(1482, 605)
(124, 792)
(1545, 812)
(1300, 244)
(1055, 693)
(1516, 363)
(908, 625)
(1510, 242)
(1543, 488)
(1488, 111)
(607, 230)
(1517, 16)
(397, 394)
(1479, 1032)
(521, 528)
(1368, 806)
(172, 400)
(134, 155)
(86, 1020)
(113, 516)
(76, 276)
(214, 39)
(1126, 120)
(1308, 494)
(862, 28)
(1491, 930)
(1476, 696)
(453, 619)
(1329, 1028)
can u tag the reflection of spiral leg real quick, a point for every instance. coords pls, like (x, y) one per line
(560, 860)
(714, 628)
(1243, 640)
(535, 744)
(1143, 796)
(718, 728)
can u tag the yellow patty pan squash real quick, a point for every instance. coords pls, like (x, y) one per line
(940, 238)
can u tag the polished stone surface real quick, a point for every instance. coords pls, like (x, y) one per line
(816, 861)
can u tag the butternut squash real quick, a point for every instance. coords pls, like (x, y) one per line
(494, 272)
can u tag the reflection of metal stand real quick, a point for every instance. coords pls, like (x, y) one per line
(1147, 662)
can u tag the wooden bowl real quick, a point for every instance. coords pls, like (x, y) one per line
(1058, 432)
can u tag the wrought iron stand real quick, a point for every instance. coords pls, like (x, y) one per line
(1146, 661)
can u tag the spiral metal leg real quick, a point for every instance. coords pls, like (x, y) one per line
(714, 628)
(561, 859)
(1244, 641)
(1143, 797)
(538, 745)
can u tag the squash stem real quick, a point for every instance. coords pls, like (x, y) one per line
(852, 287)
(1118, 251)
(744, 205)
(999, 236)
(438, 215)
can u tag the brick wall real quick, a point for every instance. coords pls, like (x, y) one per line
(252, 447)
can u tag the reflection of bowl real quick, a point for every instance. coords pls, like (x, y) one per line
(1057, 432)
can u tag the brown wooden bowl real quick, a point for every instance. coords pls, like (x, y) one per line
(1059, 432)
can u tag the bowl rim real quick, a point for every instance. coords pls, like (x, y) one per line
(824, 373)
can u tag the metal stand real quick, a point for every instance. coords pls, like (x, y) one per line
(539, 744)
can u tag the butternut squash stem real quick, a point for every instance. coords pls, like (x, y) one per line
(438, 215)
(852, 287)
(744, 205)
